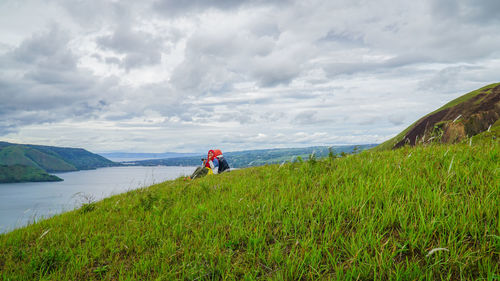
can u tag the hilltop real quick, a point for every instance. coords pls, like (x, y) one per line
(31, 159)
(466, 116)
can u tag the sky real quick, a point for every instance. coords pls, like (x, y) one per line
(187, 76)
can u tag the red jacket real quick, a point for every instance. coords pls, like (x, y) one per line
(207, 163)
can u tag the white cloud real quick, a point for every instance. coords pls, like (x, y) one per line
(175, 75)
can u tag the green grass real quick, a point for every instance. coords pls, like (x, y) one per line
(33, 162)
(15, 155)
(370, 216)
(21, 155)
(48, 162)
(51, 158)
(21, 173)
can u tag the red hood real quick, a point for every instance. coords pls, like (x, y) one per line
(217, 152)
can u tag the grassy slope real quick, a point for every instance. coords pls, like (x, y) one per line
(48, 162)
(80, 158)
(20, 173)
(24, 164)
(47, 159)
(22, 155)
(375, 215)
(389, 144)
(14, 155)
(51, 158)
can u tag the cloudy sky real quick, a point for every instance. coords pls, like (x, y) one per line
(172, 75)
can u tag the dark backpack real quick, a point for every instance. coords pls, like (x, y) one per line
(223, 165)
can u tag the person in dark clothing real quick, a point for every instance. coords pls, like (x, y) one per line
(223, 165)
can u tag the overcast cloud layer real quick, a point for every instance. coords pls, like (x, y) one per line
(168, 75)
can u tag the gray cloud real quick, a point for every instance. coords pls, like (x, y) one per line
(342, 38)
(45, 84)
(447, 80)
(214, 61)
(46, 49)
(275, 70)
(243, 117)
(172, 7)
(396, 120)
(369, 121)
(480, 12)
(140, 48)
(247, 73)
(305, 118)
(113, 60)
(97, 13)
(273, 116)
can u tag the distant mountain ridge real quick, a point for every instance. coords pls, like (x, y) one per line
(131, 156)
(472, 114)
(40, 160)
(251, 158)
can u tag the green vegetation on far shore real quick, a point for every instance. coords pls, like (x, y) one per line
(417, 213)
(21, 173)
(259, 157)
(33, 162)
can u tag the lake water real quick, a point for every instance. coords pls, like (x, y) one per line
(22, 203)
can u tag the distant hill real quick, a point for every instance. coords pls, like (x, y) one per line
(475, 113)
(46, 159)
(130, 156)
(21, 173)
(80, 158)
(252, 158)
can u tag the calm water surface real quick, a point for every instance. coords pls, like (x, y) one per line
(23, 203)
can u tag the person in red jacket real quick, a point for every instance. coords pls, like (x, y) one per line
(212, 162)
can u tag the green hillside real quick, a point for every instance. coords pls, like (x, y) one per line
(50, 163)
(47, 159)
(18, 154)
(80, 158)
(463, 117)
(15, 155)
(21, 173)
(416, 213)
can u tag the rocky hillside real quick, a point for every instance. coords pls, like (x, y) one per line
(466, 116)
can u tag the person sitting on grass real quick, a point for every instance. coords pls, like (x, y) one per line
(222, 163)
(212, 162)
(207, 167)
